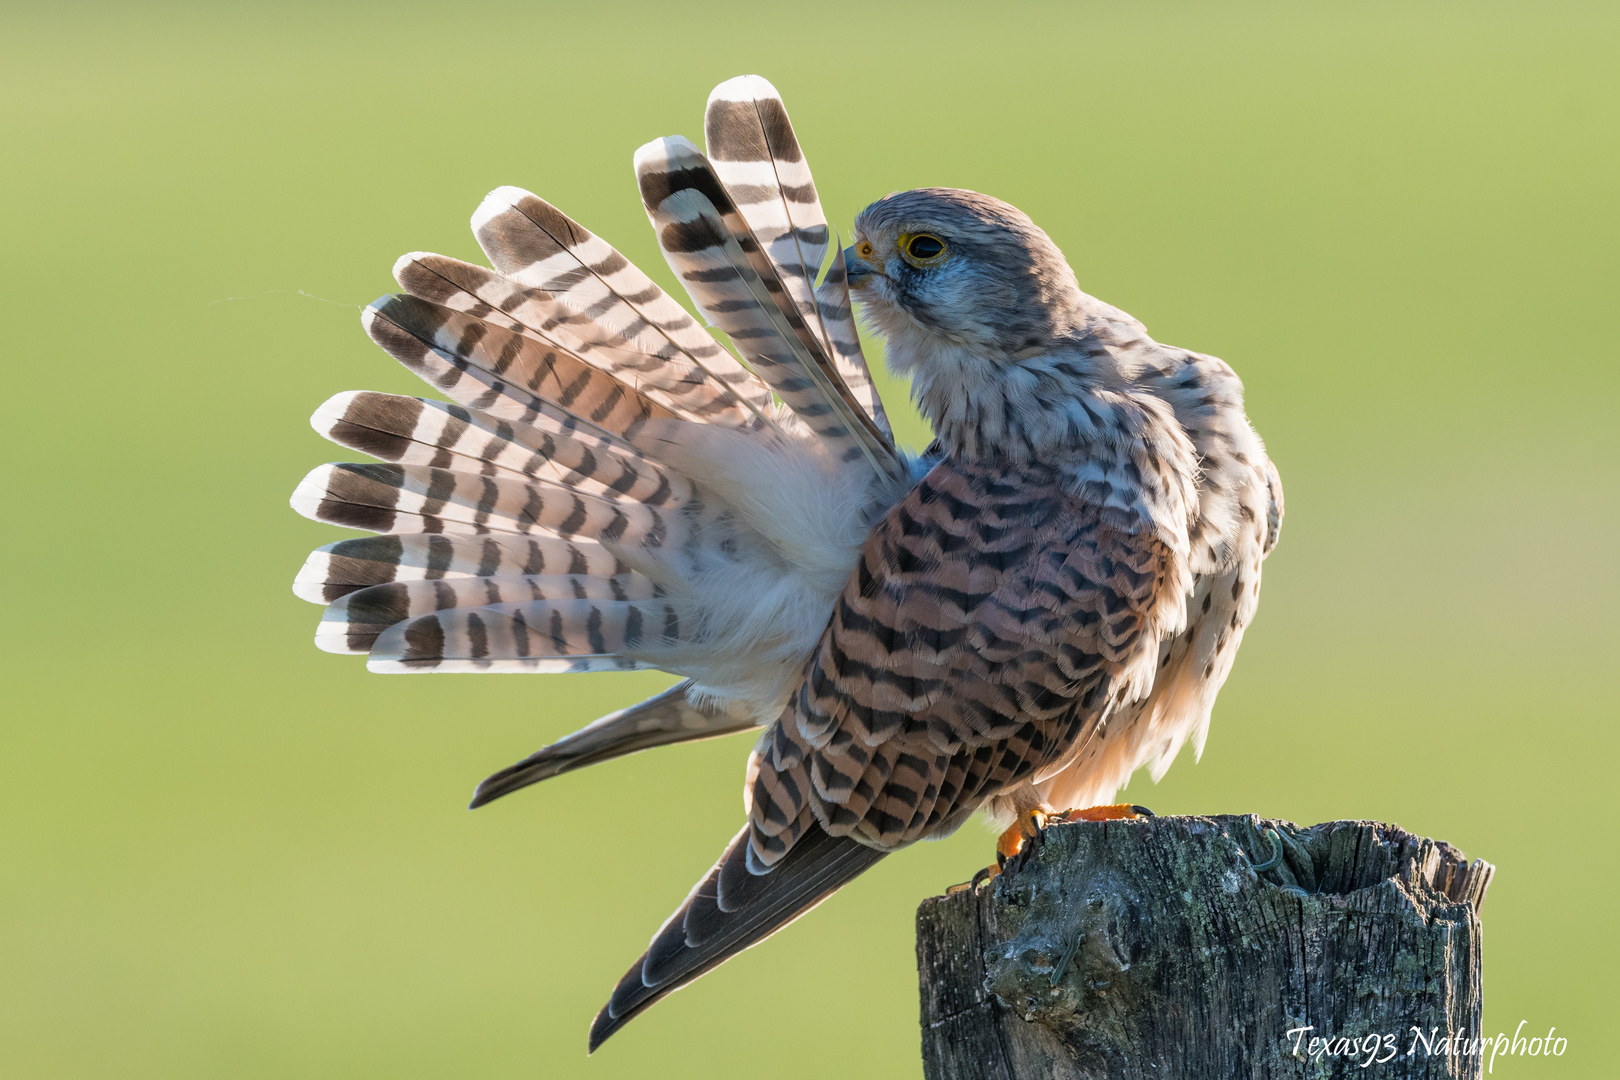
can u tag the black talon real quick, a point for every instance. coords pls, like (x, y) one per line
(1142, 811)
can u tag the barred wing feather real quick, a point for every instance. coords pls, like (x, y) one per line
(560, 636)
(343, 567)
(419, 431)
(681, 387)
(351, 624)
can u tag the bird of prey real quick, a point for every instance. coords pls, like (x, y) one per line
(1012, 622)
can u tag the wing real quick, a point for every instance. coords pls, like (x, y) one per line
(993, 621)
(1192, 666)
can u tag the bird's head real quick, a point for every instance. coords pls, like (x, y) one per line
(940, 267)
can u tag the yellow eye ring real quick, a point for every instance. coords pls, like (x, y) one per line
(923, 249)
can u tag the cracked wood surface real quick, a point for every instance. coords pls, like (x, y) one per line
(1154, 948)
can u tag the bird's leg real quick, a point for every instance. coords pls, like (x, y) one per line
(1027, 827)
(1031, 825)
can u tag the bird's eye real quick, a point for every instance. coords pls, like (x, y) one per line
(923, 249)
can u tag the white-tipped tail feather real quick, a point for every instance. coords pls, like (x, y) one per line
(610, 488)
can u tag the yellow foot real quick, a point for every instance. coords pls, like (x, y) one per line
(1032, 823)
(1027, 827)
(1116, 812)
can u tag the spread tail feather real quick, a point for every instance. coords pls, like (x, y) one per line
(712, 248)
(348, 566)
(669, 717)
(603, 301)
(731, 910)
(493, 365)
(757, 157)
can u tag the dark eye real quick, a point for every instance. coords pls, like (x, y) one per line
(924, 248)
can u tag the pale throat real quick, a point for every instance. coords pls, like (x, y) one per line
(1037, 409)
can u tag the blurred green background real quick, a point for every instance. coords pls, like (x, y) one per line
(227, 854)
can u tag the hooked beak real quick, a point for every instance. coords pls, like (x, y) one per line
(855, 268)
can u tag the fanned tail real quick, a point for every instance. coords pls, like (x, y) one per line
(731, 910)
(713, 250)
(603, 302)
(608, 487)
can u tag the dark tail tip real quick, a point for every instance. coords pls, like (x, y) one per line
(540, 765)
(601, 1028)
(493, 787)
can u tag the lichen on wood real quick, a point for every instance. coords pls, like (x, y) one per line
(1200, 947)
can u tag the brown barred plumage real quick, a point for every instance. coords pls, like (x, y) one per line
(990, 607)
(506, 372)
(1046, 602)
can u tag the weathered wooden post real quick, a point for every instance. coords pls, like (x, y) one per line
(1208, 948)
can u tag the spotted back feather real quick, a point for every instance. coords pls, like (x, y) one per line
(994, 619)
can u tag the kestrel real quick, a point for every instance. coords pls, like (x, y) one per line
(1047, 599)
